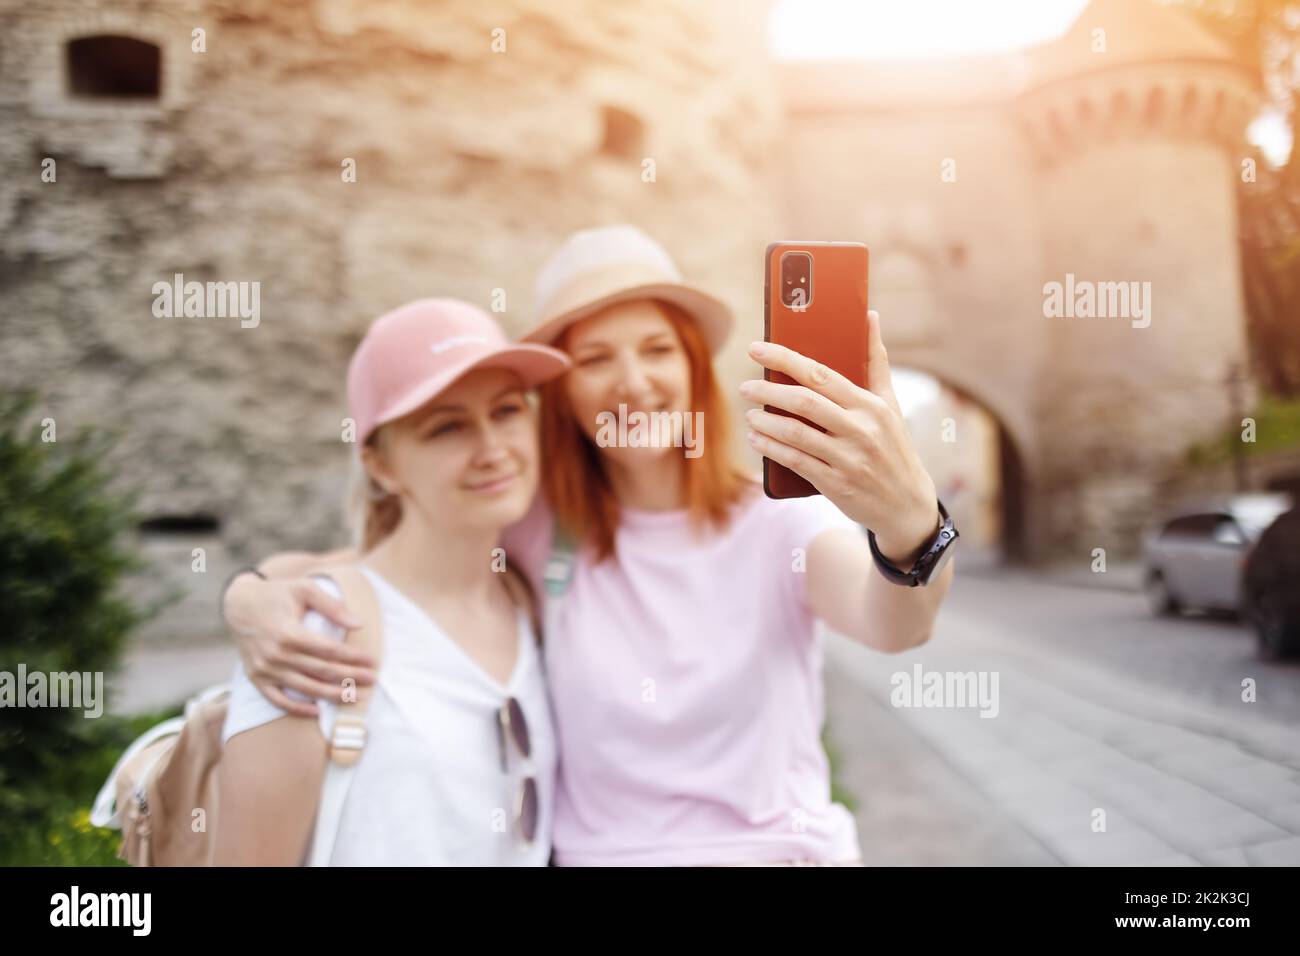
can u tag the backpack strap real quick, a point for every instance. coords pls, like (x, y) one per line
(349, 734)
(557, 575)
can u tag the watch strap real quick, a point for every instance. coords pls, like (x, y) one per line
(923, 567)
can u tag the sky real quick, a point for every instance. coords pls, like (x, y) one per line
(875, 29)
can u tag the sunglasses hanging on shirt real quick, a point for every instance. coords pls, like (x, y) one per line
(512, 728)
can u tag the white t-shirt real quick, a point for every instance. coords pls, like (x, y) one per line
(429, 789)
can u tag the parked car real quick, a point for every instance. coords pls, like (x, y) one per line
(1197, 556)
(1272, 587)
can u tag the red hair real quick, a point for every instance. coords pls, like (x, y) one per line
(573, 477)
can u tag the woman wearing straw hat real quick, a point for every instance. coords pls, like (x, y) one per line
(680, 601)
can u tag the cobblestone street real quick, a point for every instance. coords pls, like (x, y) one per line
(1100, 707)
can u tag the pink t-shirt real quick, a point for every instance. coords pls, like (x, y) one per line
(685, 679)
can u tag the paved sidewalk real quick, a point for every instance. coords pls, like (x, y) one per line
(1180, 784)
(1118, 576)
(914, 808)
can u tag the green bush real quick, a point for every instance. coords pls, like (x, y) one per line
(1277, 426)
(63, 554)
(838, 793)
(62, 834)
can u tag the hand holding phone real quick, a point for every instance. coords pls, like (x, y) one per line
(830, 421)
(815, 303)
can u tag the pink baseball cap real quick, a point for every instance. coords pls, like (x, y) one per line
(412, 353)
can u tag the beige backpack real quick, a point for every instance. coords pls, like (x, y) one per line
(169, 773)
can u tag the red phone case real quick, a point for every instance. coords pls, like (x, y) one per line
(832, 329)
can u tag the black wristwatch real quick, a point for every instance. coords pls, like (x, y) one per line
(928, 564)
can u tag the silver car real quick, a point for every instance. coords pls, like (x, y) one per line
(1195, 558)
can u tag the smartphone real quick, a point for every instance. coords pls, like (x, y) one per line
(814, 302)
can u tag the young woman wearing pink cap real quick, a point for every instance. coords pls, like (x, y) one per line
(680, 645)
(457, 754)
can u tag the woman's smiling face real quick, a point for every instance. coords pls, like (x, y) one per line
(468, 458)
(628, 354)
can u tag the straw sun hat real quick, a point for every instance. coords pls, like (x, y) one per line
(597, 268)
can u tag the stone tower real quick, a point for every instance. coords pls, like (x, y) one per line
(1136, 117)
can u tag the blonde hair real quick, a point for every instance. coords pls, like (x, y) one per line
(372, 513)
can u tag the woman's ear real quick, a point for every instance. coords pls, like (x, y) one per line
(375, 463)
